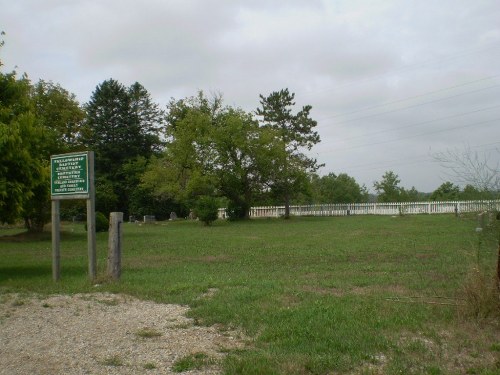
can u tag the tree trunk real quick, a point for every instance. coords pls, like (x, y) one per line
(287, 205)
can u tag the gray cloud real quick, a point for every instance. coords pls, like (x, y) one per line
(379, 74)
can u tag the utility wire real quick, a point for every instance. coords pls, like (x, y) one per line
(411, 97)
(415, 105)
(413, 136)
(488, 48)
(406, 161)
(417, 124)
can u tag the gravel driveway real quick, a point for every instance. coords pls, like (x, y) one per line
(104, 333)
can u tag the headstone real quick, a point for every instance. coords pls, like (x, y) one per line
(480, 222)
(149, 219)
(173, 216)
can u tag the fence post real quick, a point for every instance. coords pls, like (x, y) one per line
(115, 244)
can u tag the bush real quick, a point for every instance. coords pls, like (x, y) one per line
(480, 295)
(101, 222)
(236, 212)
(206, 209)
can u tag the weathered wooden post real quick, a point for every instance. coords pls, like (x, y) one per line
(56, 241)
(115, 244)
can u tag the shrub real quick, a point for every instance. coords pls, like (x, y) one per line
(206, 209)
(101, 222)
(236, 211)
(480, 294)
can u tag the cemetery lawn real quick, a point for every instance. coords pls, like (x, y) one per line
(366, 294)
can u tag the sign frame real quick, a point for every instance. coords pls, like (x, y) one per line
(70, 172)
(88, 195)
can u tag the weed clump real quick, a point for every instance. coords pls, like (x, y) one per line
(481, 296)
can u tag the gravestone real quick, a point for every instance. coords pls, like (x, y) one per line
(149, 219)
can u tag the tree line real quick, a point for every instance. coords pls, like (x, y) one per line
(192, 157)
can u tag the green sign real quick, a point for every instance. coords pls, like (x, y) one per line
(69, 175)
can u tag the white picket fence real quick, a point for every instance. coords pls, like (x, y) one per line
(346, 209)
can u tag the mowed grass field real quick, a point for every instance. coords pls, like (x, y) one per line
(360, 295)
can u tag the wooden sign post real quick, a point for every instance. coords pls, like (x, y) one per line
(72, 177)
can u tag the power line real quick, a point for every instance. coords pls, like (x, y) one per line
(411, 97)
(413, 136)
(417, 124)
(408, 67)
(416, 105)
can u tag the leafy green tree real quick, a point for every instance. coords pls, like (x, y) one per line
(24, 169)
(238, 144)
(338, 189)
(471, 193)
(185, 170)
(211, 150)
(287, 171)
(60, 114)
(388, 188)
(447, 191)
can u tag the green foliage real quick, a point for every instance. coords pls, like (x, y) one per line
(36, 121)
(446, 192)
(211, 150)
(101, 222)
(60, 114)
(194, 361)
(206, 209)
(107, 200)
(236, 211)
(122, 126)
(388, 188)
(23, 146)
(337, 189)
(287, 166)
(238, 144)
(470, 193)
(184, 171)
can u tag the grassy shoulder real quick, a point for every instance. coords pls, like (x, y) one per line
(316, 295)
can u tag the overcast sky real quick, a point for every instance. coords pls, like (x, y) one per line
(391, 82)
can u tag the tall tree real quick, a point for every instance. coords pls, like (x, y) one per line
(59, 112)
(122, 124)
(388, 188)
(147, 119)
(35, 122)
(25, 147)
(212, 150)
(238, 143)
(294, 132)
(185, 169)
(18, 131)
(338, 189)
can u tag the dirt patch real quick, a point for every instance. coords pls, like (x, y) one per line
(324, 291)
